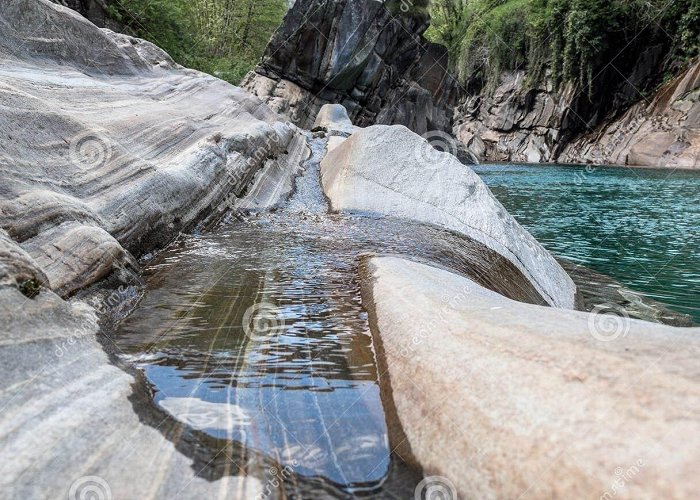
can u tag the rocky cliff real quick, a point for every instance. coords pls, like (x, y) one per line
(541, 123)
(369, 56)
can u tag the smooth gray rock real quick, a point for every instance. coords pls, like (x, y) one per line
(389, 170)
(109, 149)
(512, 400)
(66, 419)
(334, 118)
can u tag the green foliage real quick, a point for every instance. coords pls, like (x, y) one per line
(222, 37)
(573, 39)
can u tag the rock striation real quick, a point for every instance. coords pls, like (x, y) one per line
(661, 131)
(125, 149)
(108, 150)
(541, 123)
(368, 55)
(389, 170)
(526, 401)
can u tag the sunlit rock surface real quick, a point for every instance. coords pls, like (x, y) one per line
(107, 139)
(390, 170)
(511, 400)
(107, 151)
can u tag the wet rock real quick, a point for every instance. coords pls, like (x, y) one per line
(389, 170)
(67, 423)
(369, 56)
(108, 150)
(511, 400)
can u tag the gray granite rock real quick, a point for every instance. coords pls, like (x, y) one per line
(389, 170)
(511, 400)
(109, 148)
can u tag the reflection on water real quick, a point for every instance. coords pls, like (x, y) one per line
(640, 226)
(255, 334)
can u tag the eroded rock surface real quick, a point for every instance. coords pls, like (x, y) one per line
(108, 150)
(663, 131)
(541, 123)
(521, 401)
(370, 56)
(389, 170)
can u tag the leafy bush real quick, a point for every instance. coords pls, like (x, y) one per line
(573, 39)
(222, 37)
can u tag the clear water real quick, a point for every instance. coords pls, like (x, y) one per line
(639, 226)
(255, 334)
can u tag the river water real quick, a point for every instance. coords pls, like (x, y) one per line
(253, 339)
(639, 226)
(255, 352)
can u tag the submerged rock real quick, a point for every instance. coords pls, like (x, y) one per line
(526, 401)
(389, 170)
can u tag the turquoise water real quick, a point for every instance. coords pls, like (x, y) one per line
(639, 226)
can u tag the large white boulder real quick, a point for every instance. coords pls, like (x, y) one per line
(513, 400)
(109, 148)
(390, 170)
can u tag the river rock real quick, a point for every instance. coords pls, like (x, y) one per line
(524, 121)
(109, 148)
(371, 56)
(661, 132)
(510, 400)
(389, 170)
(334, 118)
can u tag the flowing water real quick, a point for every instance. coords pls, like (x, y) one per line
(639, 226)
(253, 338)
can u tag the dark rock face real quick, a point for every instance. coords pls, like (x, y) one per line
(618, 124)
(96, 11)
(369, 56)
